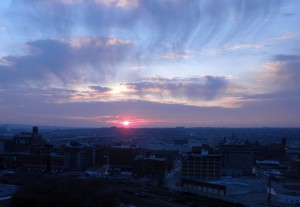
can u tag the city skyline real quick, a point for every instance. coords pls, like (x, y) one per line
(139, 63)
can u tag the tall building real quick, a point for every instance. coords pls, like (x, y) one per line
(75, 158)
(237, 160)
(201, 166)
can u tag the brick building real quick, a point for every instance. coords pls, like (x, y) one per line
(201, 166)
(39, 163)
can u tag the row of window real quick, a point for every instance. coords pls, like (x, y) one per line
(205, 189)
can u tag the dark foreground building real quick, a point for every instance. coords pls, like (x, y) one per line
(150, 167)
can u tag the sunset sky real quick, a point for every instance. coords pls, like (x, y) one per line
(150, 63)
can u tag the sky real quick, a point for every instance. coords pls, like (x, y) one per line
(150, 63)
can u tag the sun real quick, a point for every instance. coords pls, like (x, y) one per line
(126, 123)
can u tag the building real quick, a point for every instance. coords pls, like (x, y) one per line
(267, 164)
(169, 155)
(272, 151)
(122, 157)
(95, 156)
(237, 160)
(197, 186)
(201, 166)
(39, 163)
(289, 198)
(101, 156)
(6, 145)
(75, 158)
(152, 167)
(8, 160)
(90, 156)
(24, 142)
(202, 148)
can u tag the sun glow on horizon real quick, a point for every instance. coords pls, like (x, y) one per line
(126, 123)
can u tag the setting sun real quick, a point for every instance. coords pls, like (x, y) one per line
(126, 123)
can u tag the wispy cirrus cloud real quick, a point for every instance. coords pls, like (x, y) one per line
(225, 49)
(287, 35)
(174, 56)
(110, 3)
(170, 25)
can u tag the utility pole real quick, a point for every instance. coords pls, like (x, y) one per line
(269, 199)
